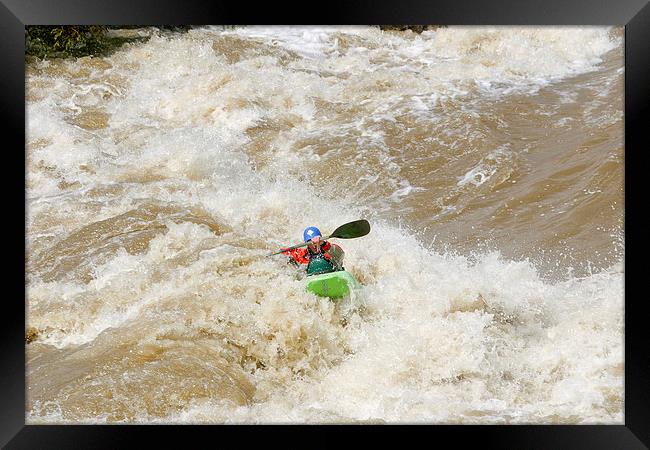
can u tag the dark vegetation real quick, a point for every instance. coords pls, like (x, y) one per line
(414, 28)
(62, 41)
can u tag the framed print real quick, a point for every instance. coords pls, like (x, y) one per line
(253, 217)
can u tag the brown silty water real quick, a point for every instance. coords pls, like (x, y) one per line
(159, 178)
(537, 177)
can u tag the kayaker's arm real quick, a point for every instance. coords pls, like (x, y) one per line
(325, 247)
(299, 255)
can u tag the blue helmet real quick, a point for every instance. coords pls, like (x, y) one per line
(310, 232)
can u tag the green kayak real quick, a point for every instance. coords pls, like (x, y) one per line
(333, 284)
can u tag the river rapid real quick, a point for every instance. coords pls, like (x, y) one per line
(489, 162)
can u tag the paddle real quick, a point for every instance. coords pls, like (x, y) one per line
(349, 230)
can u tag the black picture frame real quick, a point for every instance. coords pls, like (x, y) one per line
(633, 14)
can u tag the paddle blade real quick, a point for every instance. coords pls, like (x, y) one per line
(351, 230)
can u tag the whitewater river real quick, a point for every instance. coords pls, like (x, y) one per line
(488, 161)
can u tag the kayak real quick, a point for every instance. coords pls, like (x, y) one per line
(333, 284)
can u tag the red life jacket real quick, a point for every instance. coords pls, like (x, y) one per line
(302, 255)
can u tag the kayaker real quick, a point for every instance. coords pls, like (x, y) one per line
(317, 250)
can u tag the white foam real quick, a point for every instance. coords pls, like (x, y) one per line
(431, 352)
(308, 41)
(486, 168)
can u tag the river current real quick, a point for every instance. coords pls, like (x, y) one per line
(489, 162)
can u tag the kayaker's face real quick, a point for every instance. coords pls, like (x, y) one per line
(314, 244)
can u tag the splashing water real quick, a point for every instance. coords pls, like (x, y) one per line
(488, 161)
